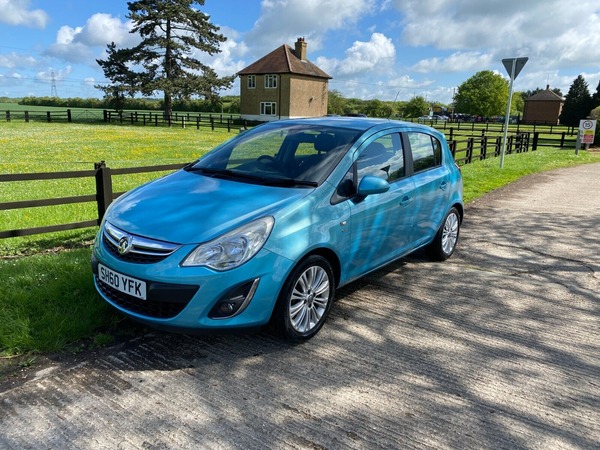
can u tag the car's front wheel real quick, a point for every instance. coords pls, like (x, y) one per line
(305, 299)
(445, 240)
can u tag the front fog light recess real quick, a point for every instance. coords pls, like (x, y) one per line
(234, 301)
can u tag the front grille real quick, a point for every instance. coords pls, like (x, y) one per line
(164, 301)
(140, 250)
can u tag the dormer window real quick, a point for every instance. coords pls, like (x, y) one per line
(270, 81)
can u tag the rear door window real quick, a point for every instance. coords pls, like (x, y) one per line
(426, 151)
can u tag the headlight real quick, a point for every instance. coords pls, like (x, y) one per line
(232, 249)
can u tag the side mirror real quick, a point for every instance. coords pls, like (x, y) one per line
(372, 185)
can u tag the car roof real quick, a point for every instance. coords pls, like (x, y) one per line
(362, 124)
(356, 123)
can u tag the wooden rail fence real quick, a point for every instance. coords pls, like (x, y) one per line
(103, 196)
(465, 151)
(134, 118)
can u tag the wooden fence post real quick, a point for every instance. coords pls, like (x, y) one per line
(498, 146)
(484, 143)
(48, 116)
(7, 115)
(469, 155)
(27, 116)
(104, 191)
(536, 137)
(69, 117)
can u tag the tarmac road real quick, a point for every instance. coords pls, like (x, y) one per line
(497, 348)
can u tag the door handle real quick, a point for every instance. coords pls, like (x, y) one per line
(443, 186)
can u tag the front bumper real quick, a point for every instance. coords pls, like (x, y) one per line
(186, 298)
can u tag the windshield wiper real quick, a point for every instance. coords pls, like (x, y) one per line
(269, 181)
(290, 182)
(226, 173)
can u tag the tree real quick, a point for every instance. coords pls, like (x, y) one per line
(578, 103)
(530, 92)
(123, 80)
(484, 94)
(336, 103)
(517, 105)
(164, 61)
(596, 97)
(415, 107)
(377, 108)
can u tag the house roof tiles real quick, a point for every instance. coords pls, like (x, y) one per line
(545, 95)
(283, 60)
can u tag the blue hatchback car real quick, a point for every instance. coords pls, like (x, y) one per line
(267, 225)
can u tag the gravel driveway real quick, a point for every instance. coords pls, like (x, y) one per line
(497, 348)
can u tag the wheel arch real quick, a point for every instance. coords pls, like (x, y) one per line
(331, 257)
(461, 210)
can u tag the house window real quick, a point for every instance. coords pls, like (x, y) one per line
(268, 108)
(270, 81)
(251, 81)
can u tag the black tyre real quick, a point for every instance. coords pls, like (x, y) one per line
(444, 243)
(305, 300)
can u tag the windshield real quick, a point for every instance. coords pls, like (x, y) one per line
(279, 154)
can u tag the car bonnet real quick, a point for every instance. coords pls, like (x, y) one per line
(187, 208)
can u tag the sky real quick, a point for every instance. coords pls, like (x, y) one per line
(373, 49)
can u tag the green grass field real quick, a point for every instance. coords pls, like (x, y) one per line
(56, 147)
(47, 299)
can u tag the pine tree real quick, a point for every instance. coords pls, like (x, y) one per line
(578, 103)
(123, 81)
(164, 61)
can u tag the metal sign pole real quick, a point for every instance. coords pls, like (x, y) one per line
(507, 115)
(513, 66)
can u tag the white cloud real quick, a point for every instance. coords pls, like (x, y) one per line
(226, 62)
(17, 12)
(12, 60)
(376, 54)
(456, 62)
(544, 30)
(58, 75)
(82, 44)
(283, 21)
(102, 29)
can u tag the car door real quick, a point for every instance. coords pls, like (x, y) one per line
(431, 185)
(379, 224)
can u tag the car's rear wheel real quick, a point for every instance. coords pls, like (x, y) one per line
(445, 240)
(305, 299)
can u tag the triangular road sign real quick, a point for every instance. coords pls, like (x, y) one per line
(519, 64)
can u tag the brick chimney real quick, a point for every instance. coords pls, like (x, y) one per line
(301, 49)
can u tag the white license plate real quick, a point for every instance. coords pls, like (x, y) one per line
(122, 283)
